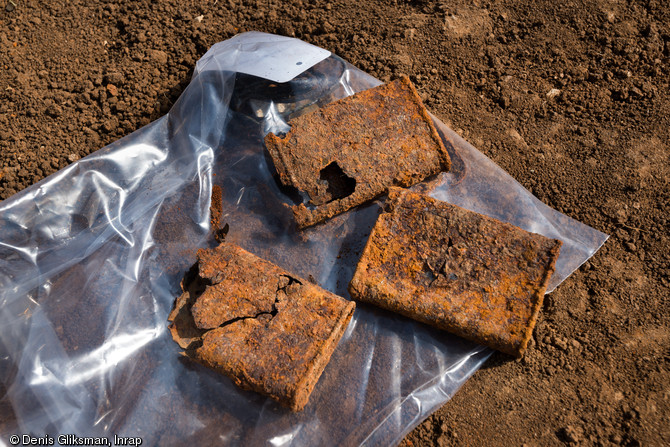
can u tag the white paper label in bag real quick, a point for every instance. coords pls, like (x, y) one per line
(268, 56)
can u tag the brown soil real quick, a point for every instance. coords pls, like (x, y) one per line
(571, 98)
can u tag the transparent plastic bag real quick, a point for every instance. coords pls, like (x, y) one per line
(92, 257)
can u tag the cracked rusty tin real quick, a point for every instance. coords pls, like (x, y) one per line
(352, 150)
(266, 329)
(457, 270)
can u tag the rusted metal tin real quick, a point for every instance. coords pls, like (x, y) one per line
(457, 270)
(350, 151)
(266, 329)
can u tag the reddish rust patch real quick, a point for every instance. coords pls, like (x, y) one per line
(267, 330)
(457, 270)
(350, 151)
(216, 207)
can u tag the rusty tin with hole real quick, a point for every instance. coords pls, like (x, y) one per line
(352, 150)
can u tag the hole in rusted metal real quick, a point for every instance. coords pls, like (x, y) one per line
(340, 185)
